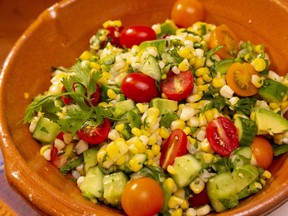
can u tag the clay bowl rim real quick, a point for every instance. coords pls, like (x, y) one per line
(13, 175)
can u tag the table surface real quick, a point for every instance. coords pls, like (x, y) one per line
(20, 15)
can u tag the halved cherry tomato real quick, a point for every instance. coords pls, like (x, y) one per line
(239, 77)
(95, 135)
(199, 199)
(222, 136)
(178, 86)
(113, 36)
(222, 35)
(95, 97)
(186, 12)
(139, 87)
(134, 35)
(175, 145)
(142, 197)
(262, 151)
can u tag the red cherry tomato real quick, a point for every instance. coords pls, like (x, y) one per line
(178, 86)
(222, 136)
(139, 87)
(113, 36)
(199, 199)
(95, 135)
(186, 12)
(175, 145)
(262, 151)
(142, 197)
(134, 35)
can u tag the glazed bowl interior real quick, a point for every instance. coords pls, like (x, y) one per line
(59, 36)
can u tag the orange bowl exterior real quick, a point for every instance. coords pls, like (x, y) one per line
(59, 36)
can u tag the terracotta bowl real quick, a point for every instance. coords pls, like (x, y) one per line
(60, 34)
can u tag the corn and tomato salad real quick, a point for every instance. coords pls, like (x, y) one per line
(191, 116)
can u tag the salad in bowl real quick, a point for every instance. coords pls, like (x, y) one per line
(168, 119)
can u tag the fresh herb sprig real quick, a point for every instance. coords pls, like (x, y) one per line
(80, 84)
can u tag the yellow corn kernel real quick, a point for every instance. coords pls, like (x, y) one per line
(247, 57)
(259, 48)
(164, 132)
(136, 131)
(119, 127)
(171, 170)
(200, 81)
(113, 151)
(185, 204)
(207, 78)
(259, 64)
(202, 71)
(156, 149)
(116, 23)
(209, 115)
(95, 65)
(86, 55)
(142, 107)
(263, 182)
(44, 148)
(141, 147)
(257, 81)
(121, 160)
(215, 112)
(135, 165)
(101, 154)
(207, 158)
(187, 130)
(284, 105)
(266, 174)
(184, 65)
(197, 185)
(199, 62)
(170, 184)
(202, 119)
(164, 76)
(177, 212)
(252, 116)
(106, 75)
(201, 88)
(150, 161)
(111, 94)
(174, 202)
(177, 124)
(205, 146)
(103, 104)
(152, 140)
(184, 52)
(274, 105)
(194, 98)
(180, 193)
(150, 153)
(153, 112)
(218, 82)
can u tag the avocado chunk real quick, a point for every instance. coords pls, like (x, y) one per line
(160, 44)
(164, 105)
(269, 122)
(273, 91)
(222, 192)
(168, 27)
(122, 107)
(114, 185)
